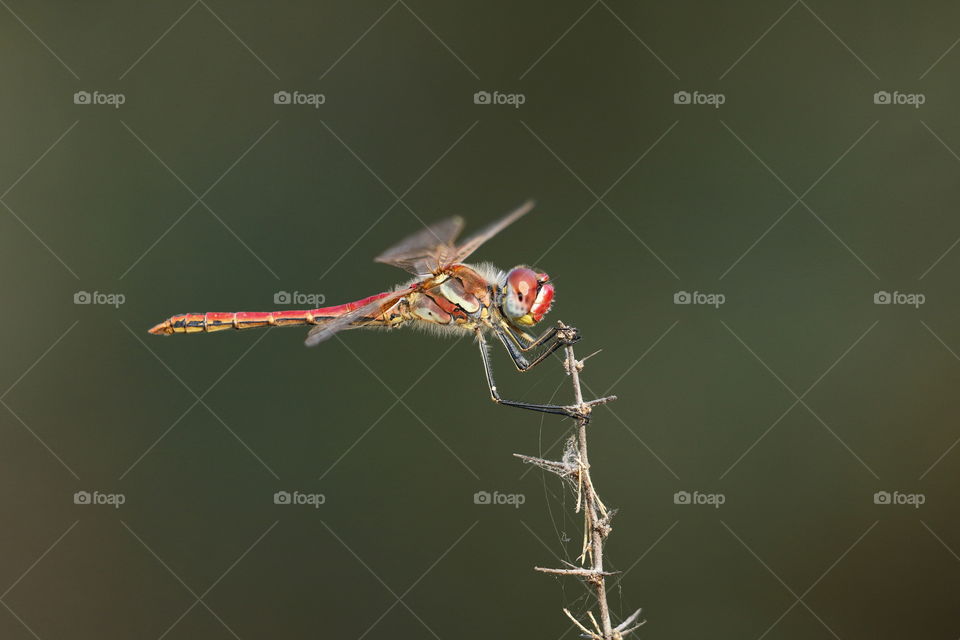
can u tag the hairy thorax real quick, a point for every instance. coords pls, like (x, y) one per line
(459, 297)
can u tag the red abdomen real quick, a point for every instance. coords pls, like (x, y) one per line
(218, 321)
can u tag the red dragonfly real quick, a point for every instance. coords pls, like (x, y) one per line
(445, 295)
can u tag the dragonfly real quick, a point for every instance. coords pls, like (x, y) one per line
(445, 295)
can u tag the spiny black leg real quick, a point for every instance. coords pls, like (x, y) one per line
(495, 396)
(569, 335)
(561, 336)
(518, 358)
(543, 339)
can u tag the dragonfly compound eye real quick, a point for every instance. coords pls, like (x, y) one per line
(544, 299)
(526, 296)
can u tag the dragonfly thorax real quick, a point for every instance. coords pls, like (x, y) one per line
(525, 296)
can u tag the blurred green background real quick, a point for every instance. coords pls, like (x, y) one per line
(798, 199)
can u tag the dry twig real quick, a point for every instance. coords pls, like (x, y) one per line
(574, 468)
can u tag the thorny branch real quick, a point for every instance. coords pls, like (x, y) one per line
(574, 468)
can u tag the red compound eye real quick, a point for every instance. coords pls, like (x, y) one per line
(544, 299)
(526, 296)
(522, 285)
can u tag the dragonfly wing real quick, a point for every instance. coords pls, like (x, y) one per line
(473, 243)
(426, 250)
(327, 328)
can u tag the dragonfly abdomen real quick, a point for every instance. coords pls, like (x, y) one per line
(218, 321)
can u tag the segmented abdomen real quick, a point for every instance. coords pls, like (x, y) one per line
(218, 321)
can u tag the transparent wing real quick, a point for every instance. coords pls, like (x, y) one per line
(473, 243)
(426, 250)
(328, 328)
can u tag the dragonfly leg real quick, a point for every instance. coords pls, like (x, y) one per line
(534, 343)
(560, 335)
(571, 335)
(572, 412)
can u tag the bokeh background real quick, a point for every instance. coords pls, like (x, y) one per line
(797, 400)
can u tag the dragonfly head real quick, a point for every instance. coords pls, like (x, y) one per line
(526, 296)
